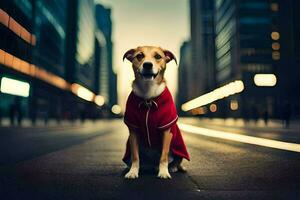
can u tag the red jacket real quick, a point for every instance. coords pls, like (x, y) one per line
(150, 118)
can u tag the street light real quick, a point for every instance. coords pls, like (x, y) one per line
(265, 80)
(213, 108)
(99, 100)
(14, 87)
(116, 109)
(82, 92)
(219, 93)
(234, 105)
(275, 35)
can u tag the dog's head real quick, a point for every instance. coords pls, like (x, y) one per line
(148, 62)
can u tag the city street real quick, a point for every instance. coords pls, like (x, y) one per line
(84, 162)
(71, 71)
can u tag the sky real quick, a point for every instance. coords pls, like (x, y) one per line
(163, 23)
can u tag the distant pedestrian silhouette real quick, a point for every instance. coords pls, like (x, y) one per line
(255, 114)
(1, 115)
(247, 115)
(266, 117)
(286, 114)
(15, 111)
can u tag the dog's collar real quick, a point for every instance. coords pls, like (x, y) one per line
(148, 104)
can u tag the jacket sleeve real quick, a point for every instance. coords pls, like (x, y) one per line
(168, 115)
(130, 118)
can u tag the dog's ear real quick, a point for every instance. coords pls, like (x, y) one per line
(170, 56)
(129, 55)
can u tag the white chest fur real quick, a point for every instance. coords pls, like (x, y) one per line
(147, 89)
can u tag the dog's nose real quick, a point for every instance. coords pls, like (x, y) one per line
(147, 65)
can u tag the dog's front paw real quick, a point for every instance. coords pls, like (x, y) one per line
(164, 174)
(163, 171)
(133, 173)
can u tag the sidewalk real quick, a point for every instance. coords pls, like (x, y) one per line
(26, 123)
(273, 124)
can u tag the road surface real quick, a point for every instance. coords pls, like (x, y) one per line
(84, 162)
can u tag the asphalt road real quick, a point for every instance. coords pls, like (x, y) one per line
(84, 162)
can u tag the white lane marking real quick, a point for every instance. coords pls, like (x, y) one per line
(241, 138)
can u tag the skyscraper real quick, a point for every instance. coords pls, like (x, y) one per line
(288, 64)
(107, 76)
(32, 57)
(47, 58)
(244, 37)
(80, 65)
(253, 43)
(202, 47)
(185, 80)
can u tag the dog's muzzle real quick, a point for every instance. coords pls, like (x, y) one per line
(148, 75)
(147, 72)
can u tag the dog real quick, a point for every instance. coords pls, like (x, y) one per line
(151, 116)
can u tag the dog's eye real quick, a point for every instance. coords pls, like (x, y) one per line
(157, 56)
(140, 56)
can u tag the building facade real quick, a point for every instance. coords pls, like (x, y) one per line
(184, 76)
(202, 47)
(288, 26)
(253, 43)
(81, 29)
(244, 41)
(80, 64)
(47, 60)
(107, 77)
(32, 54)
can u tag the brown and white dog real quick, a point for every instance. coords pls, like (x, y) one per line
(149, 65)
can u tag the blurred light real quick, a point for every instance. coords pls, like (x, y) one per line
(14, 87)
(15, 27)
(24, 67)
(33, 40)
(199, 111)
(265, 80)
(275, 46)
(275, 35)
(99, 100)
(213, 108)
(85, 94)
(219, 93)
(4, 18)
(274, 7)
(241, 138)
(116, 109)
(234, 105)
(82, 92)
(276, 55)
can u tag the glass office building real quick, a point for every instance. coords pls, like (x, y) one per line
(33, 52)
(16, 45)
(80, 55)
(244, 49)
(107, 80)
(38, 37)
(50, 30)
(226, 33)
(184, 75)
(202, 47)
(288, 53)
